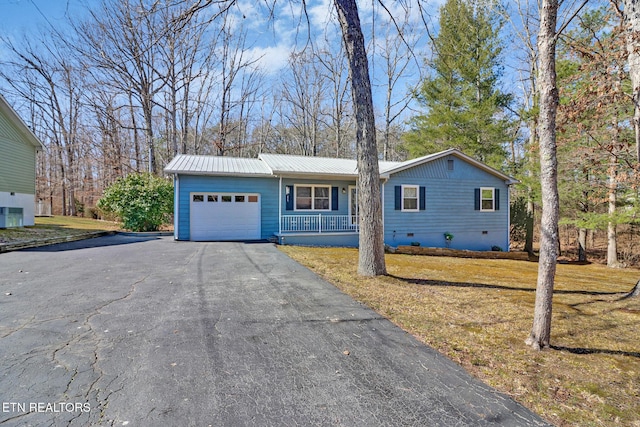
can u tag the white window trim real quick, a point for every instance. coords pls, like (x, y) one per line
(417, 188)
(313, 197)
(493, 199)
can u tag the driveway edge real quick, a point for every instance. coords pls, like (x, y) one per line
(9, 247)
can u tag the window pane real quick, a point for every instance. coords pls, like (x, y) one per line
(303, 197)
(410, 198)
(322, 203)
(321, 199)
(226, 199)
(253, 199)
(322, 192)
(303, 203)
(303, 191)
(411, 192)
(239, 199)
(212, 198)
(198, 197)
(487, 199)
(411, 204)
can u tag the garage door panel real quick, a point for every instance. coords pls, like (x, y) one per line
(225, 216)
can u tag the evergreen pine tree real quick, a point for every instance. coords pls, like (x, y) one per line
(465, 108)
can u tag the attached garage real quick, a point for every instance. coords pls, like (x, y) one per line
(225, 216)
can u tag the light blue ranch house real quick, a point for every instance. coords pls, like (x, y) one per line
(446, 199)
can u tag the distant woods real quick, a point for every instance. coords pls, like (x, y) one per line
(134, 82)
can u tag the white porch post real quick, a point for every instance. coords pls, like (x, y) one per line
(508, 243)
(280, 206)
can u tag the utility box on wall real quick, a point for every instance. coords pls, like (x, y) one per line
(11, 217)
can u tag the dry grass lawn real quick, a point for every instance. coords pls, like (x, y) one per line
(479, 312)
(56, 226)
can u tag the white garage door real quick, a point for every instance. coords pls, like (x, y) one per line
(225, 216)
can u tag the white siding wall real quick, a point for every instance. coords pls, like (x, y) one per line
(19, 200)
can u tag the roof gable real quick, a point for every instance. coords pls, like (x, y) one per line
(26, 135)
(387, 172)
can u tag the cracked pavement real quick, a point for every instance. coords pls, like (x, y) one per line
(145, 331)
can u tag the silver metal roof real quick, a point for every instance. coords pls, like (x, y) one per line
(284, 164)
(306, 165)
(214, 165)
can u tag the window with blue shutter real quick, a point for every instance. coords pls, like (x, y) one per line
(486, 199)
(410, 198)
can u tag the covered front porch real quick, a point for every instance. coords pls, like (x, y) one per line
(319, 223)
(319, 230)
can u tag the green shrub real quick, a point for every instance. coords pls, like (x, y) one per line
(142, 202)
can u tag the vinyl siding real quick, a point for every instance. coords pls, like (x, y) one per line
(17, 160)
(449, 208)
(266, 187)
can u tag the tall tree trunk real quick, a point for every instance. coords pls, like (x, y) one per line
(631, 16)
(533, 137)
(541, 332)
(612, 241)
(371, 254)
(134, 129)
(632, 25)
(582, 244)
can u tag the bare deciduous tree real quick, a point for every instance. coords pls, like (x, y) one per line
(121, 42)
(303, 89)
(397, 49)
(52, 82)
(339, 120)
(237, 83)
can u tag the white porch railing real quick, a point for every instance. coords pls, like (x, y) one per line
(319, 223)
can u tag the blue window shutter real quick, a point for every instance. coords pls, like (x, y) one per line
(496, 195)
(289, 197)
(334, 198)
(477, 199)
(423, 198)
(398, 190)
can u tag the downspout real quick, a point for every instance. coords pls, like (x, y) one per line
(176, 210)
(508, 218)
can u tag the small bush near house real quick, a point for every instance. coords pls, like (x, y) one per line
(142, 202)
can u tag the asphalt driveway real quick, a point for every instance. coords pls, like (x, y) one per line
(126, 330)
